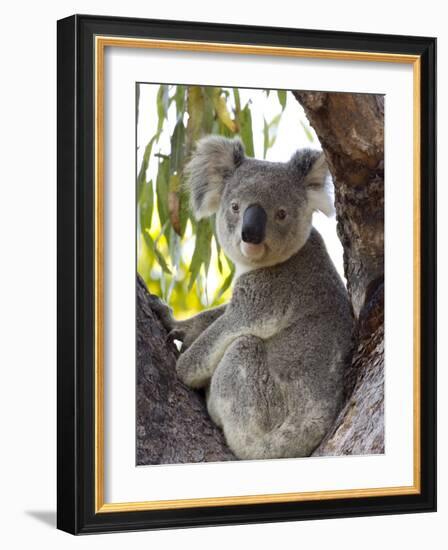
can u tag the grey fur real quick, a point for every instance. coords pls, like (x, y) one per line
(272, 361)
(215, 159)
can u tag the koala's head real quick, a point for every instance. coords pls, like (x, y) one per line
(263, 209)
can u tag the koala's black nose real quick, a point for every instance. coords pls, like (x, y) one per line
(254, 224)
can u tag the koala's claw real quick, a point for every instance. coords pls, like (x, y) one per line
(175, 334)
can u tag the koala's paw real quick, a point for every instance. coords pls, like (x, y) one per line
(184, 370)
(181, 335)
(164, 313)
(176, 334)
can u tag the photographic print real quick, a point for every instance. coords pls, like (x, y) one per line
(259, 326)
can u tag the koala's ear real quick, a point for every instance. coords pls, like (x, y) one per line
(312, 169)
(215, 160)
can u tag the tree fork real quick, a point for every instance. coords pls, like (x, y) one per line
(173, 425)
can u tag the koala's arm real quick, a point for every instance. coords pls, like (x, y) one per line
(247, 314)
(186, 330)
(196, 365)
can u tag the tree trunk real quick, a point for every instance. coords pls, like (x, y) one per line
(172, 420)
(350, 128)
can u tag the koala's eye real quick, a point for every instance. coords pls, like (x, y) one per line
(235, 207)
(281, 214)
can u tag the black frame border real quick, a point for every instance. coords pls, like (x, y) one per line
(76, 262)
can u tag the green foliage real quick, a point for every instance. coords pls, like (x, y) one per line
(178, 256)
(282, 97)
(202, 251)
(307, 131)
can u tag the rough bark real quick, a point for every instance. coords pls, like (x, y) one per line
(172, 421)
(173, 425)
(359, 428)
(350, 128)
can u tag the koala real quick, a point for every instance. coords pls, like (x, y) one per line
(272, 360)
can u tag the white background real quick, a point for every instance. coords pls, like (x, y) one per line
(28, 275)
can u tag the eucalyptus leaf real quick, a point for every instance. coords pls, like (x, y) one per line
(265, 137)
(307, 131)
(246, 133)
(273, 129)
(195, 107)
(282, 98)
(177, 147)
(146, 206)
(174, 203)
(162, 105)
(237, 99)
(141, 178)
(184, 211)
(227, 282)
(222, 112)
(202, 251)
(162, 187)
(179, 99)
(152, 245)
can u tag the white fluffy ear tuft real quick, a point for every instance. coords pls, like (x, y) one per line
(216, 158)
(322, 200)
(318, 187)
